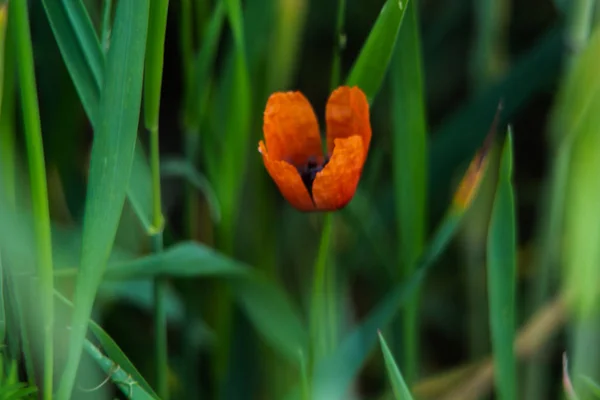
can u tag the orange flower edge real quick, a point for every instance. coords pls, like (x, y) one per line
(292, 152)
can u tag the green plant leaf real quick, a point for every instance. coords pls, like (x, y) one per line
(80, 49)
(371, 66)
(110, 166)
(501, 260)
(267, 306)
(113, 351)
(400, 388)
(409, 171)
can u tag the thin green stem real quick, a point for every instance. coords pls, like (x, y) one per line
(340, 43)
(106, 14)
(152, 88)
(320, 291)
(37, 175)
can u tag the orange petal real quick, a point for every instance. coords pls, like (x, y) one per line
(288, 181)
(291, 129)
(347, 114)
(335, 185)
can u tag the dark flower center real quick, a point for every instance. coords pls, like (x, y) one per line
(308, 173)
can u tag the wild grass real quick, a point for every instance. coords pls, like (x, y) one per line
(145, 252)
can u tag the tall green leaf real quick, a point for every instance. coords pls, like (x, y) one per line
(501, 250)
(400, 388)
(410, 169)
(110, 166)
(371, 66)
(80, 49)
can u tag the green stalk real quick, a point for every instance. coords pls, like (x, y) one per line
(321, 292)
(339, 41)
(152, 86)
(106, 13)
(37, 176)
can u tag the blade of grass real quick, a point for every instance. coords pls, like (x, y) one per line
(371, 66)
(268, 307)
(110, 166)
(106, 22)
(409, 171)
(231, 172)
(152, 88)
(398, 384)
(112, 350)
(80, 48)
(37, 176)
(7, 115)
(85, 62)
(579, 24)
(502, 278)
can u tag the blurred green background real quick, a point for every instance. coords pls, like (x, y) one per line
(502, 273)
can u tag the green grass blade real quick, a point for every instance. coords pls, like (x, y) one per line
(80, 49)
(400, 388)
(110, 166)
(410, 170)
(85, 62)
(37, 176)
(236, 131)
(501, 249)
(371, 66)
(129, 386)
(7, 117)
(106, 24)
(112, 350)
(266, 304)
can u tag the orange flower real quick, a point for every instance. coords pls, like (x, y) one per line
(293, 155)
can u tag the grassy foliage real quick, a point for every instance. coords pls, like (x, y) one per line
(145, 252)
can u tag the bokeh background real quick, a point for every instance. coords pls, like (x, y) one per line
(474, 55)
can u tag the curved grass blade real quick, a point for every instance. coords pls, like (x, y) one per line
(501, 250)
(110, 166)
(117, 374)
(85, 61)
(113, 352)
(400, 388)
(80, 49)
(267, 306)
(371, 66)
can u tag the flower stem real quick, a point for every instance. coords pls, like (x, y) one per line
(152, 88)
(37, 176)
(579, 24)
(322, 296)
